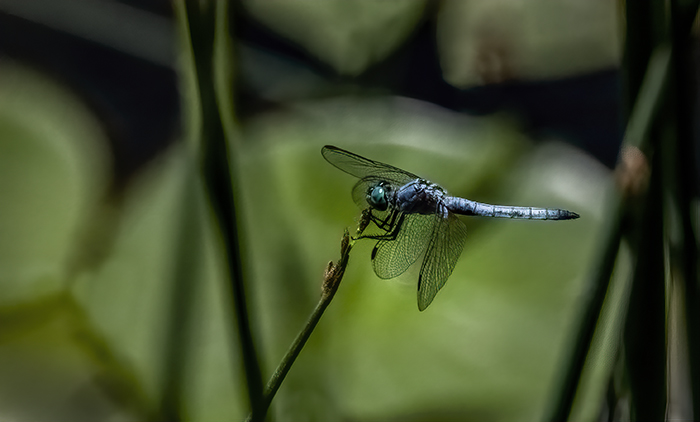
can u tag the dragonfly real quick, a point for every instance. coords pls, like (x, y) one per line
(417, 218)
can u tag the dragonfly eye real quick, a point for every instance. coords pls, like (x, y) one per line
(377, 198)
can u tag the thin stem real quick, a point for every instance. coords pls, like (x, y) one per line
(645, 330)
(582, 343)
(650, 99)
(182, 294)
(645, 111)
(202, 26)
(331, 281)
(288, 360)
(684, 177)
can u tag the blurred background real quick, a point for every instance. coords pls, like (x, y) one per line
(516, 103)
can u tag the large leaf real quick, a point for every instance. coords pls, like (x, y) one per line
(347, 35)
(500, 40)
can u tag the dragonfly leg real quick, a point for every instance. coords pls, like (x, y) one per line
(390, 225)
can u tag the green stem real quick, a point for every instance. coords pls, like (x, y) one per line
(333, 276)
(201, 26)
(645, 111)
(683, 175)
(182, 297)
(645, 330)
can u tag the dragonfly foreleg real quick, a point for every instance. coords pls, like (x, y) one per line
(390, 225)
(387, 223)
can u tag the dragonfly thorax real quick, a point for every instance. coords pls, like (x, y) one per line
(420, 197)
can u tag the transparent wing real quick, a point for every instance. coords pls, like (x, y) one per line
(446, 244)
(362, 167)
(390, 258)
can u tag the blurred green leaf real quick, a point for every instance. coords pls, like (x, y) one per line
(348, 36)
(127, 297)
(495, 41)
(53, 172)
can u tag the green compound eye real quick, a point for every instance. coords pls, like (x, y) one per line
(377, 198)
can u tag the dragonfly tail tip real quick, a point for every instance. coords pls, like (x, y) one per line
(572, 215)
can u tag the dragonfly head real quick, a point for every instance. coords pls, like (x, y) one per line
(377, 196)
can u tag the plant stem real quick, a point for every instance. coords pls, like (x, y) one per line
(645, 330)
(331, 281)
(204, 38)
(183, 292)
(684, 178)
(645, 111)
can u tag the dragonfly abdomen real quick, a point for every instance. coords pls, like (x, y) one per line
(466, 207)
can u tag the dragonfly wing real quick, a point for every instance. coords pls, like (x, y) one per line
(390, 258)
(444, 249)
(362, 167)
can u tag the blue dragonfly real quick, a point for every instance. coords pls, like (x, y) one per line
(416, 217)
